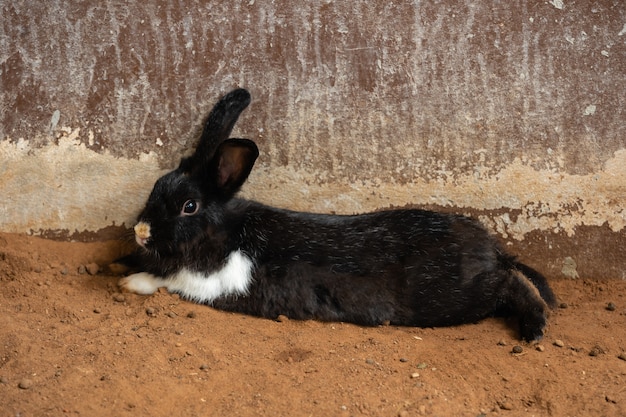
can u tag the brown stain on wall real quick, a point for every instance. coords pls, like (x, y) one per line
(449, 78)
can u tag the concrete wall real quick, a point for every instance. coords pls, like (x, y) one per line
(512, 111)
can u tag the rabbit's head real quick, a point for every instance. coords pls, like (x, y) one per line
(188, 203)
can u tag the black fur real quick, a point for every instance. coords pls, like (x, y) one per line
(405, 267)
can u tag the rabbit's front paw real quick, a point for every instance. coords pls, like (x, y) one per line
(140, 283)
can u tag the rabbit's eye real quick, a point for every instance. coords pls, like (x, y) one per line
(190, 208)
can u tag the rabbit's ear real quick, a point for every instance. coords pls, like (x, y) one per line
(218, 125)
(231, 164)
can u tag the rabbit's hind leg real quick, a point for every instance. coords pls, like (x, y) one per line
(525, 302)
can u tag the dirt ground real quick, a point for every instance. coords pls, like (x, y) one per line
(72, 344)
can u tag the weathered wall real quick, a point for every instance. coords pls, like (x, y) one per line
(512, 111)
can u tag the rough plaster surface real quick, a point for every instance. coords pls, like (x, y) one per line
(511, 111)
(67, 186)
(402, 89)
(533, 200)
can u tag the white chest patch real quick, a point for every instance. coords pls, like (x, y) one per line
(233, 279)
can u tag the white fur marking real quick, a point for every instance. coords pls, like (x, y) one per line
(233, 279)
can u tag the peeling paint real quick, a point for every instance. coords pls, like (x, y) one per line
(590, 110)
(558, 4)
(541, 200)
(56, 116)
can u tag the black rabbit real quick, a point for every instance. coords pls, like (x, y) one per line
(403, 267)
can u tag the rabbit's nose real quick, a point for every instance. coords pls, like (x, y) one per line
(142, 230)
(142, 233)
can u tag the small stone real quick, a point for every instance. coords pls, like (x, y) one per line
(119, 298)
(415, 375)
(82, 270)
(622, 356)
(422, 365)
(569, 268)
(563, 305)
(610, 306)
(501, 342)
(596, 351)
(64, 270)
(4, 380)
(404, 360)
(171, 314)
(25, 384)
(559, 343)
(505, 405)
(97, 310)
(92, 268)
(282, 318)
(151, 311)
(540, 348)
(204, 367)
(191, 315)
(370, 361)
(517, 349)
